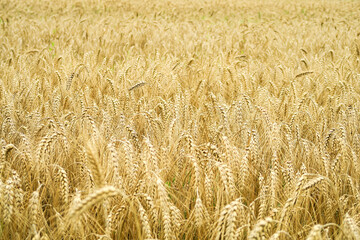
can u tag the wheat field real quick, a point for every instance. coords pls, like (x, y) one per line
(180, 119)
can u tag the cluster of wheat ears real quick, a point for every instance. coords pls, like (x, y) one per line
(179, 119)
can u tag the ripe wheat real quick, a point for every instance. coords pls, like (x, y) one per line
(179, 119)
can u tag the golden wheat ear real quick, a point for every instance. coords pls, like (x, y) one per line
(137, 85)
(93, 161)
(97, 196)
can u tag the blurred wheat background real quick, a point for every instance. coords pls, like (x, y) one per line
(179, 119)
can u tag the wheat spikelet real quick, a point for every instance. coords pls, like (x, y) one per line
(150, 204)
(134, 137)
(254, 149)
(176, 218)
(114, 158)
(8, 204)
(208, 188)
(239, 232)
(73, 74)
(261, 229)
(152, 155)
(5, 150)
(229, 150)
(350, 227)
(4, 153)
(94, 164)
(221, 223)
(190, 146)
(310, 184)
(27, 149)
(61, 135)
(244, 169)
(44, 146)
(111, 84)
(315, 233)
(200, 212)
(93, 198)
(353, 188)
(69, 81)
(64, 185)
(196, 171)
(226, 227)
(112, 219)
(274, 178)
(34, 210)
(303, 169)
(250, 216)
(18, 192)
(289, 176)
(262, 195)
(137, 86)
(165, 210)
(129, 161)
(227, 179)
(285, 211)
(223, 113)
(144, 222)
(355, 161)
(109, 226)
